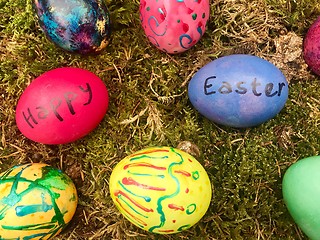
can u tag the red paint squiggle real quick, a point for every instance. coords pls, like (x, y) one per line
(134, 217)
(116, 193)
(183, 173)
(175, 207)
(147, 152)
(166, 231)
(130, 181)
(143, 165)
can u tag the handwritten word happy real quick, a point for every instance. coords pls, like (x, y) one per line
(33, 116)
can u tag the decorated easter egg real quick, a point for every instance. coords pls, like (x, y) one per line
(158, 189)
(174, 26)
(238, 90)
(301, 194)
(77, 26)
(36, 202)
(311, 47)
(61, 106)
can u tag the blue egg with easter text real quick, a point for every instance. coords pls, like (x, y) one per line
(78, 26)
(239, 91)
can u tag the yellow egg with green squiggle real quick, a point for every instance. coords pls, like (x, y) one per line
(36, 202)
(161, 189)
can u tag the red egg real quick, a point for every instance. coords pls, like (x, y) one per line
(62, 106)
(311, 48)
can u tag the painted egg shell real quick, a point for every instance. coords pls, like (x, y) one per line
(311, 47)
(158, 189)
(75, 25)
(301, 194)
(238, 90)
(61, 106)
(36, 202)
(174, 26)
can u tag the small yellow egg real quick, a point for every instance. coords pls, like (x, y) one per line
(161, 189)
(36, 202)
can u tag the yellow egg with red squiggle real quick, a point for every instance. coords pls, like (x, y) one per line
(161, 189)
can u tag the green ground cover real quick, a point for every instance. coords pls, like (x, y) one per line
(149, 107)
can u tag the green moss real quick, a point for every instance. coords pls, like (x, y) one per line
(149, 106)
(297, 15)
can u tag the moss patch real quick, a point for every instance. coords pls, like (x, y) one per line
(149, 106)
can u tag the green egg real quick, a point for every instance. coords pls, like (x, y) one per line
(301, 194)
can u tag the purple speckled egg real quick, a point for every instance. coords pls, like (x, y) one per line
(78, 26)
(311, 47)
(174, 26)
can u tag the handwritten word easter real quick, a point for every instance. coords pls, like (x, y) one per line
(42, 112)
(242, 87)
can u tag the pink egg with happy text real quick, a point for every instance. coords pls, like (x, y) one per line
(174, 26)
(62, 106)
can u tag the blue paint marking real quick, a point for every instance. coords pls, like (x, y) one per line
(159, 202)
(157, 25)
(199, 31)
(34, 236)
(128, 204)
(153, 40)
(146, 156)
(29, 209)
(73, 27)
(146, 198)
(13, 198)
(146, 174)
(30, 237)
(133, 220)
(51, 228)
(30, 227)
(182, 37)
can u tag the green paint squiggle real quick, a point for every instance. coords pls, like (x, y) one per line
(51, 179)
(161, 199)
